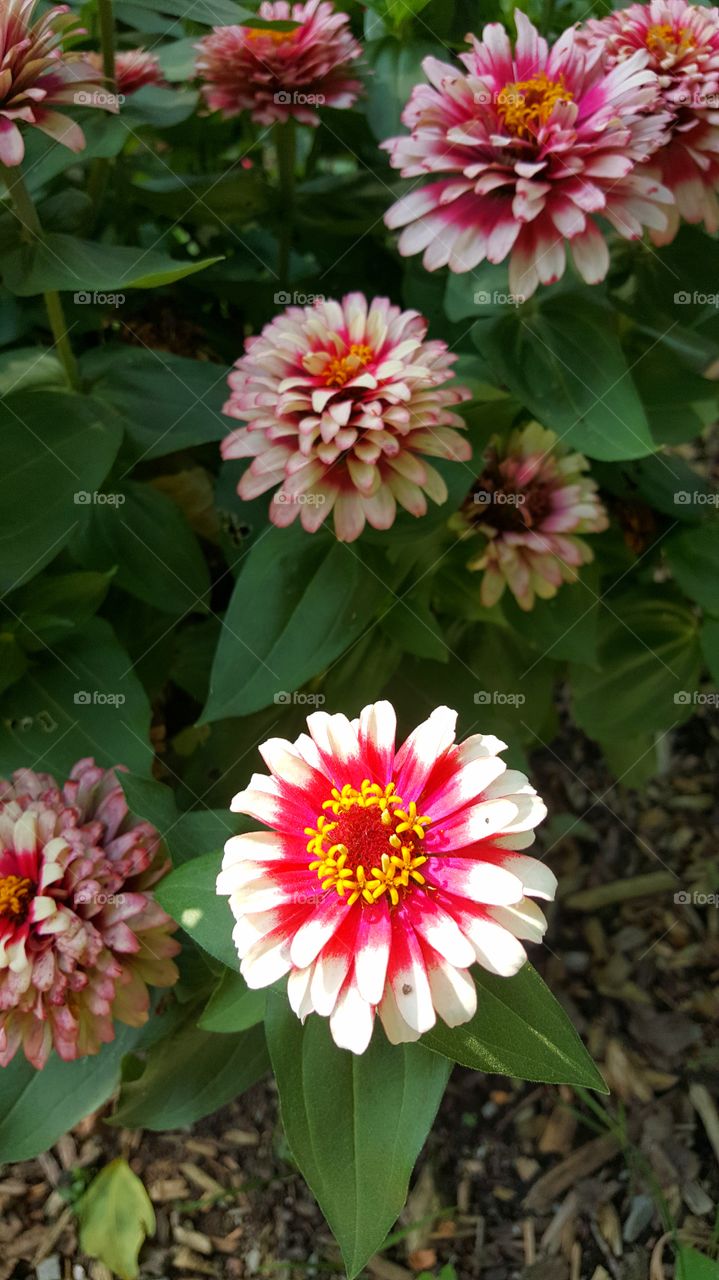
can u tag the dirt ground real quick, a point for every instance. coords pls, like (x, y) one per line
(516, 1182)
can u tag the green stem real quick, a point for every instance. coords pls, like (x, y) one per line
(285, 146)
(26, 214)
(107, 41)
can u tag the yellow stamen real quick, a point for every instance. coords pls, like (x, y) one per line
(663, 38)
(340, 369)
(394, 871)
(14, 894)
(526, 105)
(266, 33)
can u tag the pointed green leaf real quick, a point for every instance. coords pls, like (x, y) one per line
(116, 1215)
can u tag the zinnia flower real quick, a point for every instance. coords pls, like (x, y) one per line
(682, 41)
(80, 933)
(36, 75)
(278, 74)
(528, 505)
(534, 145)
(384, 874)
(134, 68)
(340, 399)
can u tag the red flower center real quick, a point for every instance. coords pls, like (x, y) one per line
(371, 847)
(15, 894)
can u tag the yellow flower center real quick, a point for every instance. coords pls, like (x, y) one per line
(367, 848)
(526, 105)
(14, 894)
(663, 38)
(266, 33)
(340, 369)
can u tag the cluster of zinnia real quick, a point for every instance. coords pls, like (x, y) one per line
(81, 935)
(299, 60)
(344, 401)
(383, 873)
(36, 75)
(528, 507)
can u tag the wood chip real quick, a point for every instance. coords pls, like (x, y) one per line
(185, 1260)
(580, 1164)
(193, 1239)
(703, 1103)
(622, 890)
(168, 1189)
(201, 1179)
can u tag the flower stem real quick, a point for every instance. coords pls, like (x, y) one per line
(107, 41)
(285, 145)
(32, 230)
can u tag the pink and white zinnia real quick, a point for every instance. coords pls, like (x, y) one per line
(534, 144)
(384, 873)
(344, 401)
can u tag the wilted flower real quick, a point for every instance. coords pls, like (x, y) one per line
(534, 145)
(682, 41)
(36, 75)
(277, 74)
(385, 874)
(80, 932)
(134, 68)
(529, 504)
(340, 399)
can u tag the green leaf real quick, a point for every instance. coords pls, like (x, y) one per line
(56, 444)
(710, 646)
(692, 1265)
(693, 556)
(51, 607)
(396, 67)
(167, 402)
(649, 661)
(221, 199)
(665, 482)
(519, 1030)
(299, 602)
(64, 262)
(565, 363)
(13, 662)
(233, 1006)
(85, 702)
(187, 834)
(565, 627)
(105, 136)
(209, 12)
(355, 1123)
(25, 367)
(188, 895)
(190, 1075)
(37, 1107)
(115, 1216)
(159, 106)
(142, 534)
